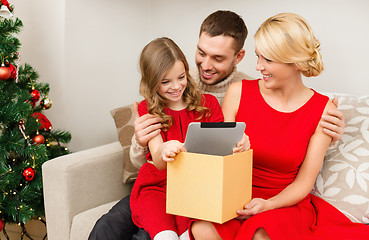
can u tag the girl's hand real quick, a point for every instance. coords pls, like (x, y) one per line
(255, 206)
(242, 145)
(170, 149)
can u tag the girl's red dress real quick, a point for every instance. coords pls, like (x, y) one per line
(279, 141)
(148, 196)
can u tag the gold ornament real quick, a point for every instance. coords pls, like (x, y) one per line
(46, 103)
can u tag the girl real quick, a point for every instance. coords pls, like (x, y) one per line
(170, 93)
(289, 145)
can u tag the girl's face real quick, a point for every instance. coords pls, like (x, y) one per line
(275, 73)
(173, 85)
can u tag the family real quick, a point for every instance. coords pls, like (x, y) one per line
(289, 126)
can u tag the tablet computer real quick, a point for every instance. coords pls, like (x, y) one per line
(214, 138)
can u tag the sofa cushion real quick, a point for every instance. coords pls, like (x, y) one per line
(344, 178)
(83, 223)
(124, 118)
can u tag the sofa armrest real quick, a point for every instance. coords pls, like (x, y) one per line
(80, 181)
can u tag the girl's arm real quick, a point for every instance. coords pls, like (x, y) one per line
(163, 152)
(305, 178)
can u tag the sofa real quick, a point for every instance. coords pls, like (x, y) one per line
(82, 186)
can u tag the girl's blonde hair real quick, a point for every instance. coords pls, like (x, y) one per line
(156, 59)
(288, 38)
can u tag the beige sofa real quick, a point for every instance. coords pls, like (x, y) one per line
(80, 187)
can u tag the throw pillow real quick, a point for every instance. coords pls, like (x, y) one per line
(344, 178)
(124, 118)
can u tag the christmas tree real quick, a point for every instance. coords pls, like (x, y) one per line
(27, 138)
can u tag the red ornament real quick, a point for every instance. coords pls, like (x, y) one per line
(38, 139)
(13, 71)
(29, 173)
(4, 73)
(6, 3)
(2, 224)
(35, 95)
(45, 123)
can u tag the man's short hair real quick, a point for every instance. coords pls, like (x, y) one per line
(226, 23)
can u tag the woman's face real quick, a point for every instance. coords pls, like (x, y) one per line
(173, 85)
(275, 73)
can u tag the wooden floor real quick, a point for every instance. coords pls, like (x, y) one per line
(35, 229)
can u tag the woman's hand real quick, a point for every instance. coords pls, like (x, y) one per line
(242, 145)
(168, 150)
(255, 206)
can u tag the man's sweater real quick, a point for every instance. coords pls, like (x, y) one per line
(219, 89)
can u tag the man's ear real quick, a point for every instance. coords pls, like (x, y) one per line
(239, 56)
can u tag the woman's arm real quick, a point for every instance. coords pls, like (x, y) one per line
(230, 106)
(305, 178)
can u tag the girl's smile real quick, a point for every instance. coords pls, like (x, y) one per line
(173, 85)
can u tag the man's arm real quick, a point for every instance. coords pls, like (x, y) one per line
(333, 123)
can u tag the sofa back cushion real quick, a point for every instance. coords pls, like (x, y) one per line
(344, 178)
(124, 118)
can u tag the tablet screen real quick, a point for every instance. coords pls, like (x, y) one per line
(214, 138)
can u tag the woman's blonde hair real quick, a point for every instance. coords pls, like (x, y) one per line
(157, 58)
(288, 38)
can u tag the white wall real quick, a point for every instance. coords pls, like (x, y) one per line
(88, 50)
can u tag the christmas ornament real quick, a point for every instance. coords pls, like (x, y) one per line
(35, 95)
(46, 103)
(45, 123)
(4, 10)
(13, 71)
(38, 139)
(4, 72)
(22, 128)
(2, 224)
(6, 3)
(29, 173)
(17, 64)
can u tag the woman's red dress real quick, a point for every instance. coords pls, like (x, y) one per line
(279, 141)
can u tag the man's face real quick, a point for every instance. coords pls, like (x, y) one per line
(215, 58)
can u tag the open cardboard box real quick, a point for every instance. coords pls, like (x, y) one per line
(209, 187)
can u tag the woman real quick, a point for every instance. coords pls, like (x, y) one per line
(282, 117)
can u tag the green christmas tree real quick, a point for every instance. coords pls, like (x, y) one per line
(27, 138)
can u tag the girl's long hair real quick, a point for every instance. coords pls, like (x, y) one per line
(157, 58)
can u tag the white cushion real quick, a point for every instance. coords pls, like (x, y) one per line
(83, 223)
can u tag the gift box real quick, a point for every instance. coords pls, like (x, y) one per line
(209, 187)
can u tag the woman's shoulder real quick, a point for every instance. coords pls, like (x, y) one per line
(244, 83)
(329, 105)
(235, 88)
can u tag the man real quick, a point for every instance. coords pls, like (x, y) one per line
(219, 50)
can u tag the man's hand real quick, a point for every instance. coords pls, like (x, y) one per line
(146, 127)
(333, 123)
